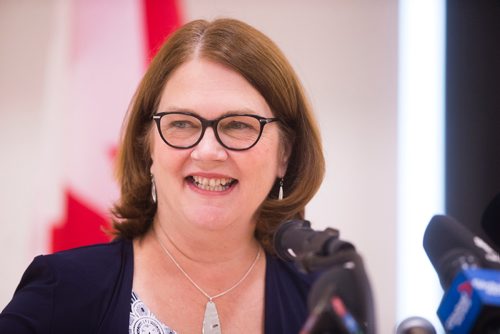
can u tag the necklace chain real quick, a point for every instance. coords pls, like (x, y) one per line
(210, 298)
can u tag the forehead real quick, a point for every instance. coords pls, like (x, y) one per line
(211, 89)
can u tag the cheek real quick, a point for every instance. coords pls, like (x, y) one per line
(163, 158)
(266, 164)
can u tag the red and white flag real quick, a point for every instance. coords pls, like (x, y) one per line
(99, 53)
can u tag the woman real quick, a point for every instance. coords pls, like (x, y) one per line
(219, 148)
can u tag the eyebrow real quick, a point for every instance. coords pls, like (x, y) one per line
(243, 111)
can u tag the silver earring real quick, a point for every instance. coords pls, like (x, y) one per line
(280, 194)
(153, 188)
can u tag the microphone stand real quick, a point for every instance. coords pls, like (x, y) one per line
(332, 310)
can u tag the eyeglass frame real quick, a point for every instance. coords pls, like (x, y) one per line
(213, 123)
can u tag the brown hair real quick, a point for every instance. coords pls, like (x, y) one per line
(253, 55)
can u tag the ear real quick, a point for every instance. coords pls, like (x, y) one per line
(284, 156)
(150, 148)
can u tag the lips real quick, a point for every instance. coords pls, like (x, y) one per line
(212, 184)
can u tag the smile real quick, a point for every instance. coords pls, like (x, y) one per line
(212, 184)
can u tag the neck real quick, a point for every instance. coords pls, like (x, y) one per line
(196, 245)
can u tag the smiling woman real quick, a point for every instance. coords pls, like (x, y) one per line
(219, 147)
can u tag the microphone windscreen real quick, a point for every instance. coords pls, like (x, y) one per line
(451, 247)
(415, 325)
(295, 238)
(444, 235)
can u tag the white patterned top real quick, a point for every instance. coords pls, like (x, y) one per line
(142, 321)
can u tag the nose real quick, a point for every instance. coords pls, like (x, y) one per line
(209, 148)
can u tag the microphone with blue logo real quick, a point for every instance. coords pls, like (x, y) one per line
(469, 272)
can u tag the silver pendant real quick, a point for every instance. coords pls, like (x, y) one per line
(211, 323)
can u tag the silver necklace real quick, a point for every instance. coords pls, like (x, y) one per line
(211, 322)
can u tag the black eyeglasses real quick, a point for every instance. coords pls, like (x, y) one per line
(236, 132)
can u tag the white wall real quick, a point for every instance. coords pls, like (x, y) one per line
(346, 55)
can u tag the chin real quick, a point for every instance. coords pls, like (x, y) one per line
(210, 219)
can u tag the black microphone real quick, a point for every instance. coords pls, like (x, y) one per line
(415, 325)
(294, 240)
(469, 272)
(490, 221)
(340, 300)
(451, 247)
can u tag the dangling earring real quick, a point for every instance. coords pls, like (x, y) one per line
(153, 188)
(280, 194)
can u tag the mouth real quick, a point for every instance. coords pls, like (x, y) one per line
(212, 184)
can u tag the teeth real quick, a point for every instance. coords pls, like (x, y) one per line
(212, 184)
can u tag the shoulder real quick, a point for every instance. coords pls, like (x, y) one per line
(89, 258)
(78, 287)
(85, 264)
(82, 263)
(91, 269)
(105, 250)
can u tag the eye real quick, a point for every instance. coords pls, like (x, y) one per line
(239, 124)
(181, 124)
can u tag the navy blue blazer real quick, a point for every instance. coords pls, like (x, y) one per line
(88, 290)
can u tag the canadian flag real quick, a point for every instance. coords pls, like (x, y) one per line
(98, 56)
